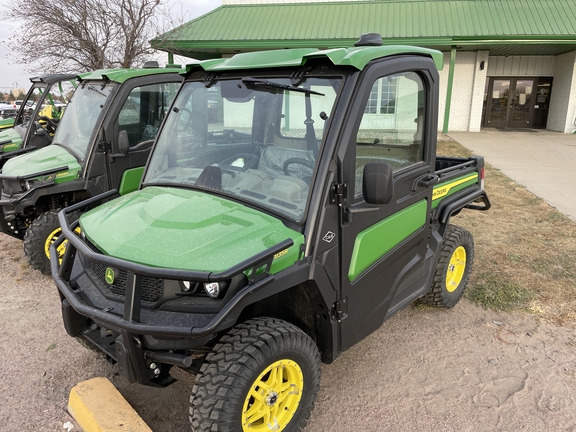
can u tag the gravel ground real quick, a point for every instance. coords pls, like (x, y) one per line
(464, 369)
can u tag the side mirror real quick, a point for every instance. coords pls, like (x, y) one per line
(123, 142)
(377, 183)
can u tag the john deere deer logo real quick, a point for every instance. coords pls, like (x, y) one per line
(110, 276)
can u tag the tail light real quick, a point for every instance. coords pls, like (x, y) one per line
(482, 177)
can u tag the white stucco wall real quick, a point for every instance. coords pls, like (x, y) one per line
(467, 91)
(477, 101)
(563, 99)
(514, 66)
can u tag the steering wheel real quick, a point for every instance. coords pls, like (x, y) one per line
(299, 161)
(51, 125)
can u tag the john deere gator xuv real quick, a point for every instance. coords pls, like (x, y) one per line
(38, 115)
(101, 144)
(276, 232)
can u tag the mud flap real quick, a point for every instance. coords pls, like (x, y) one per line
(132, 364)
(123, 357)
(73, 321)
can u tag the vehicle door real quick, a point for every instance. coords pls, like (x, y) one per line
(392, 120)
(47, 111)
(133, 124)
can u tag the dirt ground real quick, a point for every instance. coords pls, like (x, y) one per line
(464, 369)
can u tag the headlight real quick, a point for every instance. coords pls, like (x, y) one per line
(11, 187)
(30, 184)
(212, 289)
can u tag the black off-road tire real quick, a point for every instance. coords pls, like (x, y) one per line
(236, 365)
(36, 238)
(439, 294)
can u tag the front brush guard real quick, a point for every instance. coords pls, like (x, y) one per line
(258, 268)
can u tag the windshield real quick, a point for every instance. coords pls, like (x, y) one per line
(256, 140)
(44, 103)
(82, 112)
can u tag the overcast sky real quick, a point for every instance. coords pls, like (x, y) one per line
(11, 73)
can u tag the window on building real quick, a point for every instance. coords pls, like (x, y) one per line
(382, 98)
(392, 127)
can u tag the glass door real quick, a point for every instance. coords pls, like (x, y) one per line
(510, 103)
(542, 102)
(521, 106)
(499, 92)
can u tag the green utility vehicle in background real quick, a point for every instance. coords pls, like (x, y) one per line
(276, 232)
(38, 115)
(101, 144)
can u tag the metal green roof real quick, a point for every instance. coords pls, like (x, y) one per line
(468, 24)
(357, 57)
(121, 75)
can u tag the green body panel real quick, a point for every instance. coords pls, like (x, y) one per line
(355, 57)
(187, 230)
(130, 180)
(44, 159)
(379, 239)
(6, 123)
(450, 187)
(13, 136)
(121, 75)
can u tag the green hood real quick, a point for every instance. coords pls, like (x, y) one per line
(43, 159)
(186, 230)
(10, 135)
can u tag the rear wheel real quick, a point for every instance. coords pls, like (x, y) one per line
(453, 268)
(39, 236)
(263, 375)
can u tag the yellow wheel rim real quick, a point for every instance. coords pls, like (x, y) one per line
(52, 238)
(456, 269)
(273, 398)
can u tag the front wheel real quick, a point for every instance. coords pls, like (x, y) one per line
(453, 268)
(39, 236)
(264, 375)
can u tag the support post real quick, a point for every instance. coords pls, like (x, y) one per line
(449, 90)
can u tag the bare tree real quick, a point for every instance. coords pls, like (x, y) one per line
(82, 35)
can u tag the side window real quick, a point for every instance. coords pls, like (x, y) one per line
(144, 109)
(392, 124)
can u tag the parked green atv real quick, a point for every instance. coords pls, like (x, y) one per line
(6, 123)
(276, 232)
(102, 142)
(38, 115)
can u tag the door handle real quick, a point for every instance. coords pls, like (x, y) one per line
(429, 181)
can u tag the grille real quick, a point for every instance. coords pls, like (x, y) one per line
(151, 287)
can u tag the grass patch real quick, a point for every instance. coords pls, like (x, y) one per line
(525, 250)
(499, 293)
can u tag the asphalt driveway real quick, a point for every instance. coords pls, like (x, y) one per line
(542, 161)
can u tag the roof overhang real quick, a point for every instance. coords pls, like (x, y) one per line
(527, 27)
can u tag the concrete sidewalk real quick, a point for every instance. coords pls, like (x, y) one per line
(542, 161)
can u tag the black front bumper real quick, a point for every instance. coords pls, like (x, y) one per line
(137, 336)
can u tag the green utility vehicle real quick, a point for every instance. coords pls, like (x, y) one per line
(37, 117)
(276, 232)
(101, 144)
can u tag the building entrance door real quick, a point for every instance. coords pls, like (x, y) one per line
(510, 103)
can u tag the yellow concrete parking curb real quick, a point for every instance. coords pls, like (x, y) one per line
(97, 406)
